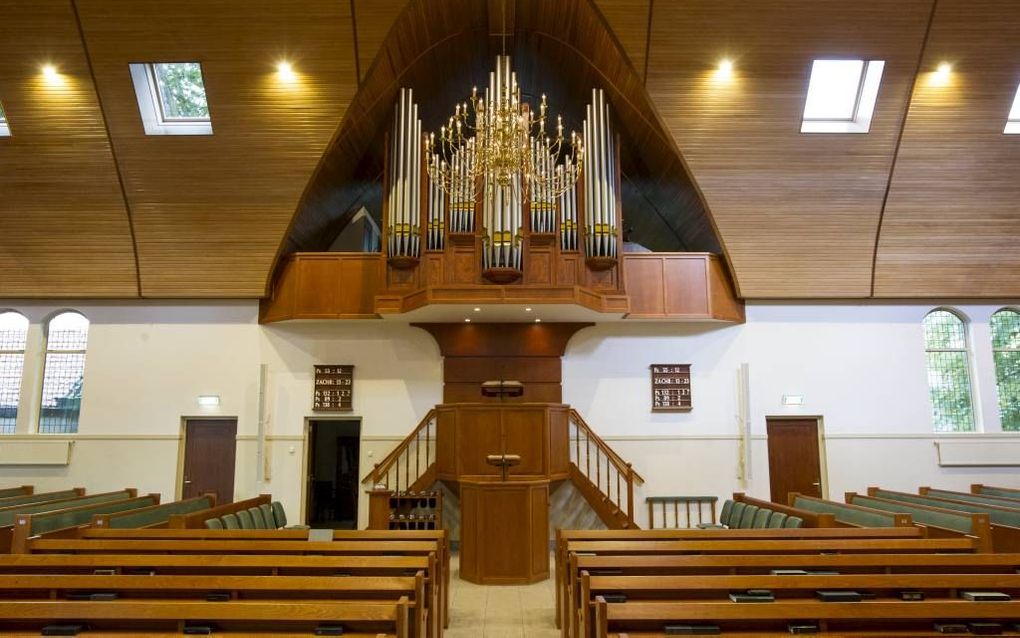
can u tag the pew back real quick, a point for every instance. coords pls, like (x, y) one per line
(62, 520)
(849, 514)
(155, 515)
(810, 518)
(196, 520)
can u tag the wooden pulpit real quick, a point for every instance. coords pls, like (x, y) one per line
(504, 531)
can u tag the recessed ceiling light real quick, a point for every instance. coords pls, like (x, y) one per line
(941, 75)
(51, 74)
(537, 320)
(725, 69)
(285, 70)
(467, 320)
(478, 309)
(527, 310)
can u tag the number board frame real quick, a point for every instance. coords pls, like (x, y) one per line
(333, 390)
(669, 380)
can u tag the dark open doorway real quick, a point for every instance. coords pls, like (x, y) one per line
(334, 448)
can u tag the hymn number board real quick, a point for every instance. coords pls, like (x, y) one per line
(334, 388)
(671, 387)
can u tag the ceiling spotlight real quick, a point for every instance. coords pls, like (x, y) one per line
(725, 70)
(51, 74)
(942, 73)
(285, 70)
(478, 309)
(527, 310)
(538, 320)
(467, 319)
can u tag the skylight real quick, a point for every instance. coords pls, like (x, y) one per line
(841, 96)
(171, 98)
(5, 129)
(1013, 121)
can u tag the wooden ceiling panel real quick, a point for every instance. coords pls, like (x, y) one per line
(628, 20)
(64, 230)
(373, 19)
(797, 213)
(952, 223)
(209, 211)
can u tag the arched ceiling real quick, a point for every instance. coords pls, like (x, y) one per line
(925, 205)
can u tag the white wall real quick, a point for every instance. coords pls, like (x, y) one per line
(859, 367)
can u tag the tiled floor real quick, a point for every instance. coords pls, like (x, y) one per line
(500, 612)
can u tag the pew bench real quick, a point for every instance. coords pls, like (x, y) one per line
(567, 586)
(359, 618)
(713, 589)
(48, 502)
(885, 616)
(439, 536)
(259, 588)
(939, 522)
(565, 536)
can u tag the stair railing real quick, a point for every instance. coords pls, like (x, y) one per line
(602, 466)
(409, 461)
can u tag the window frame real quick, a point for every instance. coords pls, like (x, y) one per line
(968, 357)
(5, 131)
(21, 382)
(150, 103)
(45, 361)
(869, 83)
(995, 362)
(1013, 116)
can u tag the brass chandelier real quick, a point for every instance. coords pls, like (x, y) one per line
(498, 139)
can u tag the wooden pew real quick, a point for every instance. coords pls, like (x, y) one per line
(261, 588)
(243, 617)
(993, 490)
(881, 617)
(21, 490)
(564, 536)
(811, 519)
(939, 522)
(154, 516)
(440, 536)
(67, 499)
(999, 501)
(1003, 521)
(714, 589)
(62, 522)
(661, 549)
(196, 520)
(352, 546)
(24, 499)
(850, 515)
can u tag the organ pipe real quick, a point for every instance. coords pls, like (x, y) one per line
(600, 196)
(404, 195)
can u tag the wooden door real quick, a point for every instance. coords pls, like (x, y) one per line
(794, 459)
(209, 450)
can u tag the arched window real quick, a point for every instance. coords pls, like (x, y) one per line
(1006, 350)
(945, 345)
(66, 337)
(13, 334)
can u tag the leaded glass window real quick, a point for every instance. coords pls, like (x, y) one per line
(1006, 351)
(945, 344)
(66, 339)
(13, 334)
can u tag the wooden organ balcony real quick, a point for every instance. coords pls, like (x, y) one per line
(663, 286)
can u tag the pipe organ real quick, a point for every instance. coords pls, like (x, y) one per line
(600, 185)
(403, 202)
(495, 198)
